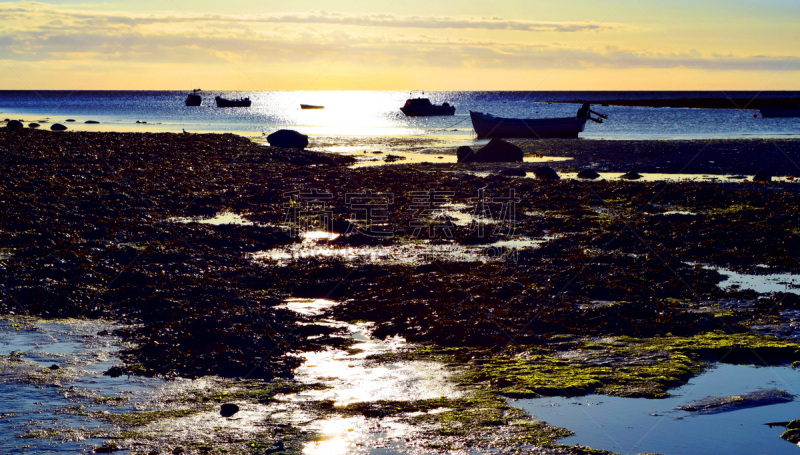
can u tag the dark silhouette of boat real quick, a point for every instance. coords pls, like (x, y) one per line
(194, 99)
(774, 112)
(311, 106)
(242, 102)
(488, 126)
(422, 107)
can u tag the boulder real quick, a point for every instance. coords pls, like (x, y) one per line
(289, 139)
(513, 172)
(228, 409)
(632, 175)
(58, 127)
(762, 176)
(588, 174)
(92, 122)
(498, 151)
(465, 154)
(14, 124)
(70, 120)
(33, 125)
(546, 173)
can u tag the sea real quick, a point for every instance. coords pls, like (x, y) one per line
(356, 114)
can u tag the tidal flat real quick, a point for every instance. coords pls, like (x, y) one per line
(593, 288)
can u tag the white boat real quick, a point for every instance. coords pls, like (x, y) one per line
(774, 112)
(487, 125)
(422, 107)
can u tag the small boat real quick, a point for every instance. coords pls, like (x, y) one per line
(194, 99)
(422, 107)
(488, 126)
(242, 102)
(311, 106)
(774, 112)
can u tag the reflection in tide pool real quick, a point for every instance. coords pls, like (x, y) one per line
(352, 377)
(640, 425)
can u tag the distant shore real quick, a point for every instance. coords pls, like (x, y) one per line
(698, 103)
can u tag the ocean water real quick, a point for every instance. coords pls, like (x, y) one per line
(376, 113)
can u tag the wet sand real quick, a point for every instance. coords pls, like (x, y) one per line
(612, 289)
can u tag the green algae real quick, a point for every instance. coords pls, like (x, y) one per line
(142, 418)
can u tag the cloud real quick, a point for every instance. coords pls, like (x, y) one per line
(29, 9)
(53, 34)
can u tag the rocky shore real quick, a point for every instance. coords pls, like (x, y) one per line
(619, 296)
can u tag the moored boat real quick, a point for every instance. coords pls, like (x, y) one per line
(242, 102)
(774, 112)
(489, 126)
(311, 106)
(194, 100)
(422, 107)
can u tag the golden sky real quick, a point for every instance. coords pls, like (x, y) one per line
(403, 45)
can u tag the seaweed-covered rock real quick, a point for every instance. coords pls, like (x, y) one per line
(465, 154)
(289, 139)
(14, 124)
(762, 176)
(33, 125)
(632, 175)
(58, 127)
(589, 174)
(513, 172)
(546, 173)
(496, 151)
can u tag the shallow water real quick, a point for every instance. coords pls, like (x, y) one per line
(637, 425)
(376, 113)
(353, 378)
(35, 398)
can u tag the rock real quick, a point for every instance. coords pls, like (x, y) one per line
(588, 174)
(54, 367)
(108, 448)
(70, 120)
(497, 151)
(465, 154)
(762, 176)
(513, 172)
(392, 158)
(14, 124)
(58, 127)
(341, 226)
(93, 122)
(632, 175)
(228, 409)
(546, 173)
(289, 139)
(33, 125)
(792, 436)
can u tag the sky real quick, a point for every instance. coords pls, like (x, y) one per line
(400, 45)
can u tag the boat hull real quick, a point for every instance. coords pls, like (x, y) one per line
(488, 126)
(222, 102)
(428, 111)
(194, 100)
(772, 112)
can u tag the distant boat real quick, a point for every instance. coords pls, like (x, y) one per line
(311, 106)
(488, 126)
(194, 99)
(774, 112)
(222, 102)
(422, 107)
